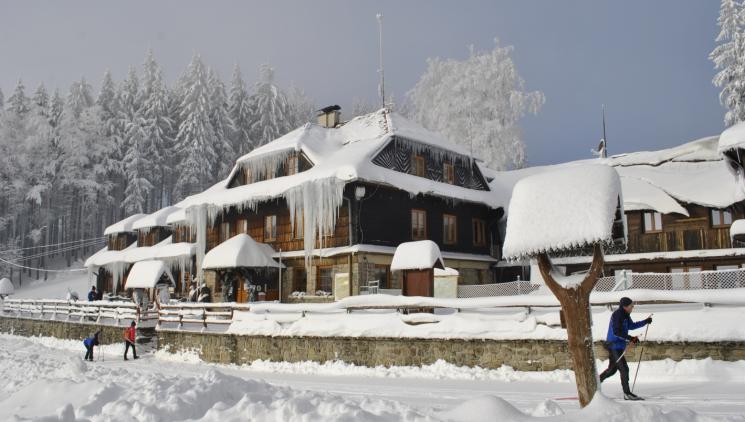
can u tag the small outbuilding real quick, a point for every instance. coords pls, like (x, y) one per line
(418, 261)
(6, 288)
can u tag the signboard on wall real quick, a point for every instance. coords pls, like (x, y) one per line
(341, 285)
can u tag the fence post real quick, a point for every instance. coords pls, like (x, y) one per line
(204, 317)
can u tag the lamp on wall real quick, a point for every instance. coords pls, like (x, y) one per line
(359, 192)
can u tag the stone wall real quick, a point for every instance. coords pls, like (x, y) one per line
(69, 330)
(524, 355)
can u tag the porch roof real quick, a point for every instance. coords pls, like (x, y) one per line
(240, 251)
(146, 274)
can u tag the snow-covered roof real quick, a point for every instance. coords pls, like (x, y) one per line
(146, 274)
(124, 225)
(733, 137)
(165, 250)
(156, 219)
(737, 228)
(419, 255)
(344, 154)
(6, 287)
(655, 180)
(240, 251)
(563, 209)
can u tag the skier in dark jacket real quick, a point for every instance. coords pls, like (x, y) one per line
(89, 343)
(616, 341)
(93, 295)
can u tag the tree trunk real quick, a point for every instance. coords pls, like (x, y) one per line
(575, 302)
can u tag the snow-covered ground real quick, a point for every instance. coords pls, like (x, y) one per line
(44, 379)
(56, 286)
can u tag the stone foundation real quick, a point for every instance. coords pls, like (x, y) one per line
(69, 330)
(523, 355)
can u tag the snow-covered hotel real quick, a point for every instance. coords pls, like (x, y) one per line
(319, 212)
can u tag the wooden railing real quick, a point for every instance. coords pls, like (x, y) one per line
(199, 313)
(98, 312)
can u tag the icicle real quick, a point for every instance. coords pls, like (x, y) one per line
(264, 165)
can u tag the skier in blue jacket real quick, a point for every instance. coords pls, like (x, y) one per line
(617, 339)
(89, 343)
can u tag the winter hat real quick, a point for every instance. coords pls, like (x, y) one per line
(625, 302)
(133, 323)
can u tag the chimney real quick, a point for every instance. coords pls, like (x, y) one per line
(329, 116)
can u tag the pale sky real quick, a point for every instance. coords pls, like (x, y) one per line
(646, 60)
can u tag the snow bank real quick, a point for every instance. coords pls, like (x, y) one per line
(419, 255)
(240, 251)
(671, 323)
(563, 209)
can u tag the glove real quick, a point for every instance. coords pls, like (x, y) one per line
(634, 340)
(649, 320)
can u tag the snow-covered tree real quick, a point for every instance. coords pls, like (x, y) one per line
(729, 61)
(18, 102)
(2, 100)
(222, 126)
(137, 167)
(40, 100)
(302, 109)
(79, 98)
(360, 107)
(271, 113)
(239, 110)
(158, 128)
(477, 103)
(196, 136)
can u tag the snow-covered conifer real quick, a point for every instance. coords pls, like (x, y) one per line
(222, 126)
(271, 116)
(729, 61)
(239, 110)
(18, 102)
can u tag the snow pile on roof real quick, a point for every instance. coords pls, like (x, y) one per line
(419, 255)
(123, 225)
(733, 137)
(562, 209)
(240, 251)
(156, 219)
(146, 274)
(737, 228)
(655, 180)
(6, 287)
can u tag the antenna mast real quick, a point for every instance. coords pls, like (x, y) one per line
(605, 140)
(381, 87)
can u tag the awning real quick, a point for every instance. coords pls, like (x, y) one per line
(420, 255)
(146, 274)
(124, 225)
(240, 251)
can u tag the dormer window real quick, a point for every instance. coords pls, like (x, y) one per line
(418, 166)
(448, 173)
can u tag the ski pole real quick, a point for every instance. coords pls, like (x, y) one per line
(641, 352)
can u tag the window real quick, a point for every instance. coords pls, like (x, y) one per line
(721, 218)
(418, 166)
(449, 229)
(242, 226)
(292, 162)
(479, 232)
(727, 267)
(380, 273)
(299, 225)
(270, 228)
(418, 224)
(325, 279)
(652, 222)
(448, 173)
(224, 231)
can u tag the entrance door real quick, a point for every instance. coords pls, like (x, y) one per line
(241, 295)
(419, 283)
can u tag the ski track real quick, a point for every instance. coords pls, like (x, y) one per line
(718, 399)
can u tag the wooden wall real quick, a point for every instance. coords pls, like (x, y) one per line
(679, 233)
(120, 241)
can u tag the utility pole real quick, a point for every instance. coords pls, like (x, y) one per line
(605, 140)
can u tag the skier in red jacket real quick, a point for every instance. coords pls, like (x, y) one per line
(129, 341)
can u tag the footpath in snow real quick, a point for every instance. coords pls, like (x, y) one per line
(165, 387)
